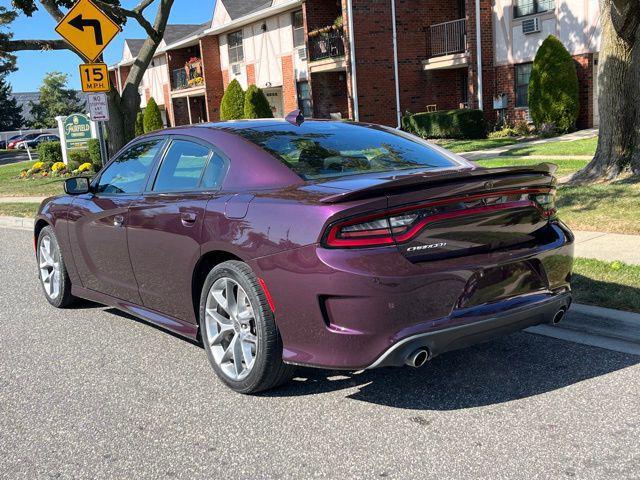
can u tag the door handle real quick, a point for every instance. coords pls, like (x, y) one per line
(188, 219)
(118, 221)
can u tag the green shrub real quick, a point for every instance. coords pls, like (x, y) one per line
(139, 124)
(75, 158)
(461, 123)
(232, 105)
(152, 118)
(256, 104)
(50, 152)
(504, 132)
(553, 87)
(94, 153)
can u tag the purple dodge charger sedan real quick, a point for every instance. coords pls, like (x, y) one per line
(328, 244)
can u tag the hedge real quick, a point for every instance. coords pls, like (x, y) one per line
(94, 153)
(152, 117)
(460, 123)
(232, 105)
(256, 104)
(50, 152)
(554, 100)
(75, 158)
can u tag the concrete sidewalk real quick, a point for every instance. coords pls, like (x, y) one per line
(494, 152)
(608, 246)
(22, 199)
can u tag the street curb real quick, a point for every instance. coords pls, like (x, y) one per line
(17, 222)
(597, 326)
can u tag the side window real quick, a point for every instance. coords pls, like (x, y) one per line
(523, 74)
(214, 174)
(236, 52)
(127, 173)
(181, 167)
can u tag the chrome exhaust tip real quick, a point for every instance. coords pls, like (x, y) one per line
(557, 318)
(418, 358)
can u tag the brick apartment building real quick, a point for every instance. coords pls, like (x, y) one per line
(312, 55)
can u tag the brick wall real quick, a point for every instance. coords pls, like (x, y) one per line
(329, 94)
(321, 13)
(289, 93)
(225, 78)
(213, 77)
(585, 69)
(251, 74)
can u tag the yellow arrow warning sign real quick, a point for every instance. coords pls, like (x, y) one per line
(88, 29)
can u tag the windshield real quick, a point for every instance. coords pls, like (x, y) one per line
(332, 149)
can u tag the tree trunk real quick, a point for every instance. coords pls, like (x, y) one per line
(618, 103)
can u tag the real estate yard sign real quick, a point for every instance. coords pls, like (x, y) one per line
(75, 131)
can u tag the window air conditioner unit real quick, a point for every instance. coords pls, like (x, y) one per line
(302, 54)
(531, 25)
(235, 69)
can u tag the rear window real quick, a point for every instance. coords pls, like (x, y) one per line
(325, 149)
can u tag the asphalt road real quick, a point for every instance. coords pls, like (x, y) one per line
(14, 156)
(90, 393)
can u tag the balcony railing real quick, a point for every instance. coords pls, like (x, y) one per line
(447, 38)
(187, 77)
(326, 44)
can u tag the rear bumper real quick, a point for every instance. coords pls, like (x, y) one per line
(363, 308)
(480, 330)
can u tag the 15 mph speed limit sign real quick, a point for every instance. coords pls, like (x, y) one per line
(94, 77)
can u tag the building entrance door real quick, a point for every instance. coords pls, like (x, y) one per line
(274, 97)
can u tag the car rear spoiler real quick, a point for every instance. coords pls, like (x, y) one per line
(412, 181)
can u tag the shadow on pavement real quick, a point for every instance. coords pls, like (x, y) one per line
(515, 367)
(511, 368)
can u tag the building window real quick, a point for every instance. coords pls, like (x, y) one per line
(236, 53)
(529, 7)
(298, 29)
(523, 74)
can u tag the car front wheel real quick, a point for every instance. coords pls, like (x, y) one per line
(239, 331)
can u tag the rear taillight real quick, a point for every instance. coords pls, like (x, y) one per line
(403, 224)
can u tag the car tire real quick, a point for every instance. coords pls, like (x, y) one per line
(52, 270)
(244, 347)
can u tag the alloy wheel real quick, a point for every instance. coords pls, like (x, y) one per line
(49, 262)
(231, 328)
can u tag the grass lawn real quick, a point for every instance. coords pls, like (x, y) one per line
(18, 209)
(458, 146)
(610, 207)
(606, 284)
(565, 167)
(13, 186)
(576, 147)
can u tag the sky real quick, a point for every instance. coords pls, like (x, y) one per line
(32, 66)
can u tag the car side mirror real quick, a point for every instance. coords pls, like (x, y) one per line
(76, 185)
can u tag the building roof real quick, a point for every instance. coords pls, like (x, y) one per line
(175, 32)
(240, 8)
(134, 44)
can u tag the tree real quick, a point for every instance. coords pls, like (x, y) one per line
(55, 100)
(10, 111)
(553, 87)
(619, 93)
(256, 104)
(7, 60)
(139, 124)
(122, 108)
(232, 105)
(152, 117)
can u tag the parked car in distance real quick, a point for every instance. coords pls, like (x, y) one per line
(29, 136)
(4, 143)
(46, 137)
(328, 244)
